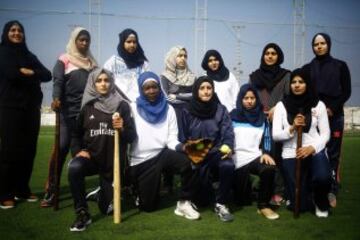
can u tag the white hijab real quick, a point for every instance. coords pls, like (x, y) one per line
(87, 62)
(182, 77)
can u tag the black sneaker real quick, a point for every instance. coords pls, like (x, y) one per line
(82, 220)
(223, 212)
(93, 195)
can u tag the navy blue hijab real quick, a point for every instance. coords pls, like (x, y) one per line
(152, 112)
(132, 60)
(325, 71)
(254, 116)
(220, 75)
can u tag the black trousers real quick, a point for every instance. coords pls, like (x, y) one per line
(242, 185)
(146, 177)
(334, 149)
(79, 168)
(19, 130)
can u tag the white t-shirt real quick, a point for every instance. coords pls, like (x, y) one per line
(317, 137)
(153, 138)
(247, 143)
(125, 78)
(227, 91)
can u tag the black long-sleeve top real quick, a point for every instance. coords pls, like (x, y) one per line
(69, 85)
(16, 89)
(94, 133)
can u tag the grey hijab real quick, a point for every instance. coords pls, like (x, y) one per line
(106, 103)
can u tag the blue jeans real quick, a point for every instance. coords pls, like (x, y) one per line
(315, 181)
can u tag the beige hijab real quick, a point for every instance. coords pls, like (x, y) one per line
(182, 77)
(87, 62)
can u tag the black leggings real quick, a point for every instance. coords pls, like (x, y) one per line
(243, 186)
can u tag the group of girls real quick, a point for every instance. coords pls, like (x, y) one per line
(253, 128)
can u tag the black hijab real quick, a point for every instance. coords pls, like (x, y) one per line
(268, 76)
(199, 108)
(220, 75)
(325, 71)
(19, 47)
(295, 104)
(132, 60)
(254, 116)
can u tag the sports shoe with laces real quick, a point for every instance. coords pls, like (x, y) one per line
(7, 204)
(82, 220)
(321, 214)
(268, 213)
(223, 212)
(31, 198)
(187, 209)
(93, 195)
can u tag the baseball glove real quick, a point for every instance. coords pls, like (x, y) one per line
(197, 149)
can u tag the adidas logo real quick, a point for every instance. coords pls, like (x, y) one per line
(92, 117)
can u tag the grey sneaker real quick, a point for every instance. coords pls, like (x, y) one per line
(223, 212)
(82, 220)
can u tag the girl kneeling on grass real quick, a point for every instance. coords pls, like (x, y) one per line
(252, 147)
(302, 108)
(93, 143)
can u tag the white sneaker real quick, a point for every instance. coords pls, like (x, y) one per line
(187, 209)
(321, 214)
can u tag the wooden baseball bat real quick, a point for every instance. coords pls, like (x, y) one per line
(56, 161)
(116, 180)
(298, 174)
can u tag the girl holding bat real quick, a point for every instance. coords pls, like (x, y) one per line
(93, 143)
(302, 109)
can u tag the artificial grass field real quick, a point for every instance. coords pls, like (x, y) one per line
(29, 221)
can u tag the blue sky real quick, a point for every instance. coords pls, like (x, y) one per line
(162, 24)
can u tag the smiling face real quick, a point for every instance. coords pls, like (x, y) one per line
(213, 63)
(205, 92)
(249, 100)
(16, 34)
(130, 44)
(298, 85)
(320, 46)
(102, 84)
(151, 90)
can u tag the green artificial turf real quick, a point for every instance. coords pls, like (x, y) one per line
(29, 221)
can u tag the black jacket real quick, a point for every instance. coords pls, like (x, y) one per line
(16, 89)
